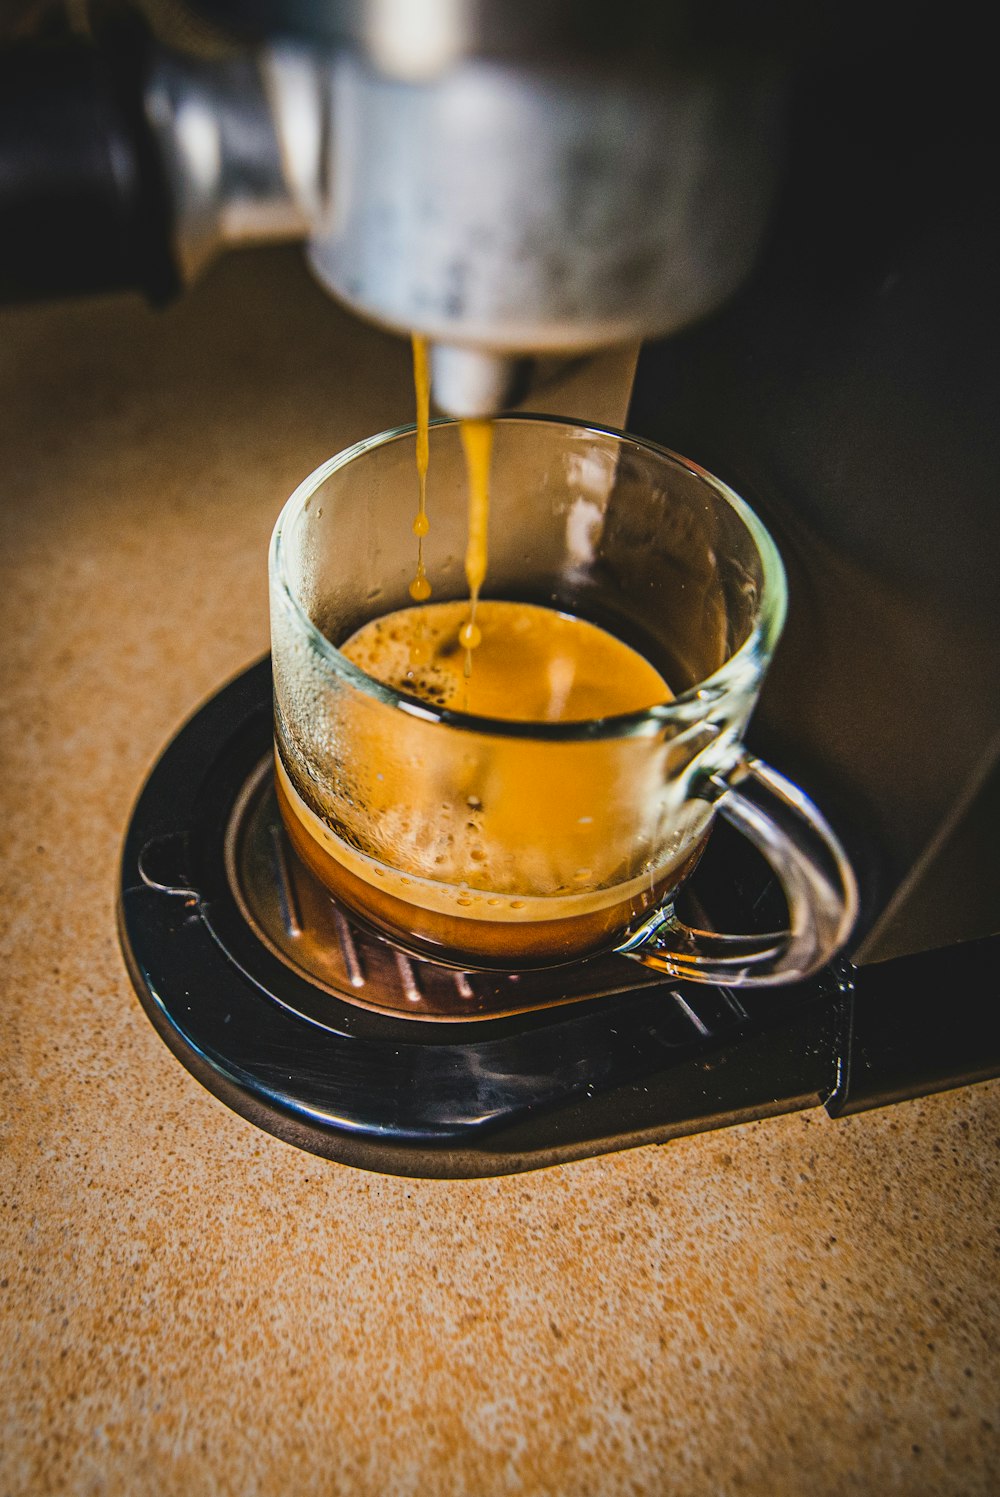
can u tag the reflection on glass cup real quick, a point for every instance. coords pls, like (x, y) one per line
(489, 842)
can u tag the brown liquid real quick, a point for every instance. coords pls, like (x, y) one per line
(533, 665)
(420, 588)
(486, 849)
(477, 440)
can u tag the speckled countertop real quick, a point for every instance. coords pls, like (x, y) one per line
(190, 1306)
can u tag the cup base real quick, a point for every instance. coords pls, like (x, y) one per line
(337, 955)
(467, 943)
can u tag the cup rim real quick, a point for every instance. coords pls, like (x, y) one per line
(688, 707)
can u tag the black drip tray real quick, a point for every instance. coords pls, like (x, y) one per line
(304, 1022)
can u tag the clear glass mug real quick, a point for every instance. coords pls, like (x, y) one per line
(503, 844)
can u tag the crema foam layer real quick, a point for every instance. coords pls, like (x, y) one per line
(533, 664)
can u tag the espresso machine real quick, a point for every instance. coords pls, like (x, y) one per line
(793, 215)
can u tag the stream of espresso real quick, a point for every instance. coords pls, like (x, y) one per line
(477, 440)
(420, 588)
(477, 443)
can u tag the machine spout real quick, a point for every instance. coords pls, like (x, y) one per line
(470, 382)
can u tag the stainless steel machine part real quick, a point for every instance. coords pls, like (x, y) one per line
(230, 180)
(504, 212)
(504, 206)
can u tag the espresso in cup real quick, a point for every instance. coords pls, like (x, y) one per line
(523, 775)
(488, 857)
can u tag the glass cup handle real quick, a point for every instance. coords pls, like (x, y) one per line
(814, 873)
